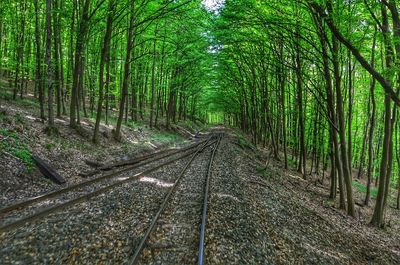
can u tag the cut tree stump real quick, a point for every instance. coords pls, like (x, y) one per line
(48, 171)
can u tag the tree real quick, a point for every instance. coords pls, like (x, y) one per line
(49, 66)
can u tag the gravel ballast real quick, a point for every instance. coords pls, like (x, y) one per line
(253, 218)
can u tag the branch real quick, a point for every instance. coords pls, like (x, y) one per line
(386, 84)
(373, 15)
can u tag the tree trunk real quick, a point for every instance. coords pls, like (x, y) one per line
(129, 46)
(48, 61)
(378, 215)
(153, 77)
(331, 110)
(56, 60)
(105, 54)
(39, 81)
(347, 176)
(80, 47)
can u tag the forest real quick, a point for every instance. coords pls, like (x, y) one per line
(316, 82)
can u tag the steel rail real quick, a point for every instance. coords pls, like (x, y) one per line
(139, 248)
(57, 207)
(205, 204)
(49, 195)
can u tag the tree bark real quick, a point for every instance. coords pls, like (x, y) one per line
(105, 54)
(129, 46)
(48, 61)
(39, 81)
(378, 215)
(153, 77)
(77, 74)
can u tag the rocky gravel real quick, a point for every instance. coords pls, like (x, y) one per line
(232, 235)
(175, 238)
(253, 218)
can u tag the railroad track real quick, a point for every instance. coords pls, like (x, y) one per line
(41, 206)
(185, 212)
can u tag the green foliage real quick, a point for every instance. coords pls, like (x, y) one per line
(2, 115)
(165, 137)
(126, 147)
(11, 143)
(49, 146)
(362, 188)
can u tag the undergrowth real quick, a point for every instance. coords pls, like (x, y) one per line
(165, 137)
(243, 142)
(12, 144)
(362, 188)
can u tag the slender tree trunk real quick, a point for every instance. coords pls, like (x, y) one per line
(302, 162)
(56, 60)
(362, 157)
(350, 112)
(331, 110)
(105, 54)
(347, 175)
(129, 46)
(77, 74)
(61, 59)
(20, 52)
(39, 82)
(282, 86)
(153, 77)
(70, 50)
(378, 215)
(48, 61)
(107, 88)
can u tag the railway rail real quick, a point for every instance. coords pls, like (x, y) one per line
(110, 181)
(143, 244)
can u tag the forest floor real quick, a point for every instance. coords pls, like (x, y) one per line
(23, 134)
(256, 215)
(309, 227)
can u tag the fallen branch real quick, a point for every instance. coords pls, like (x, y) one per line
(48, 171)
(261, 183)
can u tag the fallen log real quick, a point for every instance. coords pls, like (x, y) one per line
(48, 171)
(94, 164)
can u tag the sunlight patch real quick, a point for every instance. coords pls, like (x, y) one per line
(223, 195)
(157, 182)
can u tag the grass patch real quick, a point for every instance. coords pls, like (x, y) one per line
(2, 115)
(362, 188)
(49, 146)
(292, 162)
(165, 137)
(243, 142)
(12, 144)
(134, 124)
(23, 102)
(266, 173)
